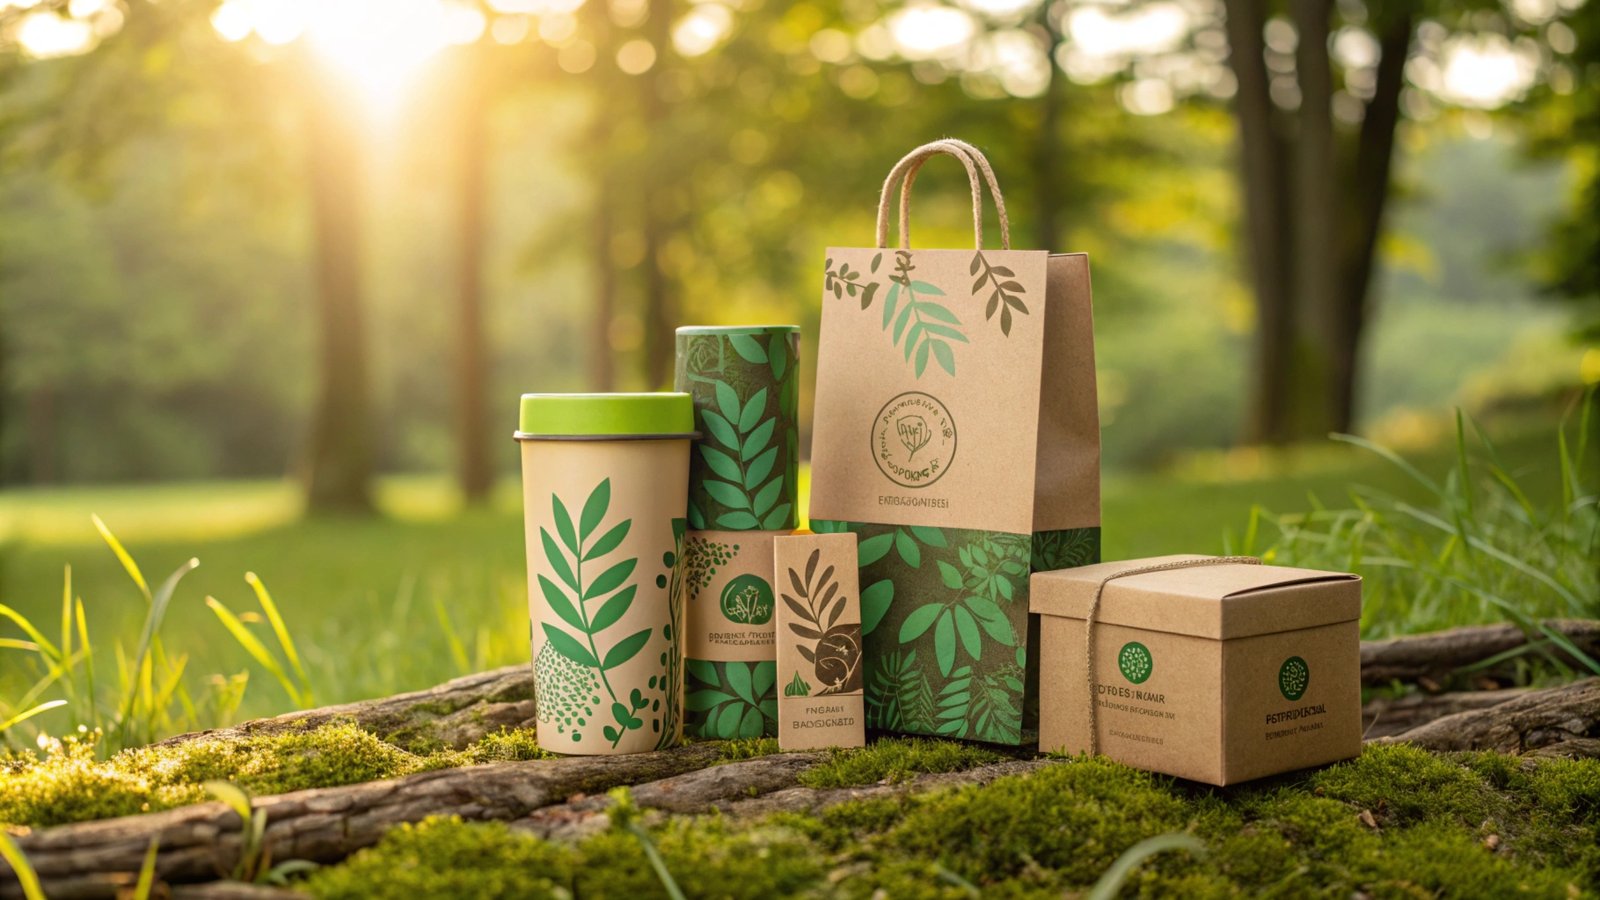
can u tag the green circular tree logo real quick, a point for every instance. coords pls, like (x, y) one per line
(747, 600)
(1135, 661)
(1293, 678)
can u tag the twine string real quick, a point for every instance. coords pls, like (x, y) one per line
(904, 172)
(1094, 612)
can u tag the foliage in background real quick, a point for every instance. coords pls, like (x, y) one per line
(1479, 549)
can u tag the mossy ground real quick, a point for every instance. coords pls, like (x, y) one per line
(1396, 822)
(1468, 825)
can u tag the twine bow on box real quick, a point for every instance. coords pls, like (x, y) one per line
(1094, 612)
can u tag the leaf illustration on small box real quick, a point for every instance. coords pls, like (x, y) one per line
(589, 608)
(1005, 292)
(920, 326)
(817, 604)
(797, 687)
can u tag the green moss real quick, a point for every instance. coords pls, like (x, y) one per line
(69, 785)
(747, 748)
(445, 857)
(895, 760)
(505, 745)
(1403, 785)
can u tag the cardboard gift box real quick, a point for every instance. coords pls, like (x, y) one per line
(1212, 669)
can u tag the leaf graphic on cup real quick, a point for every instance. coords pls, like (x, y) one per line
(914, 433)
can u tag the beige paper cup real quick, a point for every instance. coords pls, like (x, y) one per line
(605, 484)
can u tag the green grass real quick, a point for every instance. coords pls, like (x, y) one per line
(427, 592)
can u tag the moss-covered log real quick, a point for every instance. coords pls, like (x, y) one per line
(199, 843)
(1563, 721)
(450, 715)
(1436, 655)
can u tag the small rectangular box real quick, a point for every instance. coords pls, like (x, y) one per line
(820, 702)
(1214, 672)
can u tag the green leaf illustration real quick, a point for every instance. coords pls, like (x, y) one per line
(569, 536)
(626, 649)
(768, 495)
(721, 463)
(748, 348)
(873, 549)
(778, 518)
(950, 575)
(738, 520)
(875, 601)
(560, 603)
(759, 469)
(613, 609)
(907, 548)
(967, 630)
(728, 401)
(922, 328)
(727, 494)
(594, 509)
(752, 410)
(758, 439)
(918, 622)
(721, 430)
(732, 699)
(558, 560)
(568, 646)
(608, 541)
(610, 579)
(944, 642)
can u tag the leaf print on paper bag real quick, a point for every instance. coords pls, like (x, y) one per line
(1005, 294)
(918, 325)
(588, 609)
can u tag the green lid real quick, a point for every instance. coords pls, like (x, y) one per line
(739, 329)
(605, 415)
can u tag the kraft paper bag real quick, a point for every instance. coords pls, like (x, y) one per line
(956, 434)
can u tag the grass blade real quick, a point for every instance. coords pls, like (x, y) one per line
(88, 660)
(25, 715)
(147, 872)
(253, 646)
(122, 556)
(46, 649)
(1393, 457)
(26, 876)
(1113, 878)
(285, 642)
(152, 624)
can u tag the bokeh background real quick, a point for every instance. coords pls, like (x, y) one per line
(273, 273)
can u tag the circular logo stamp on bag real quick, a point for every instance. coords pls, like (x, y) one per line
(1293, 678)
(914, 439)
(1135, 661)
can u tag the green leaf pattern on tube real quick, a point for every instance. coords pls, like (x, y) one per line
(944, 619)
(744, 470)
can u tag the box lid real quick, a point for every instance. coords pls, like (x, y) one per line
(1216, 601)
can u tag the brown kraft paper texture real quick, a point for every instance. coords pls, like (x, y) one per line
(820, 661)
(956, 432)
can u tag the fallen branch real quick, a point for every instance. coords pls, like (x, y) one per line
(1560, 721)
(1384, 717)
(1436, 655)
(453, 714)
(197, 843)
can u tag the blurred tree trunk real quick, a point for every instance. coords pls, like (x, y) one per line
(474, 466)
(1314, 292)
(1047, 143)
(659, 309)
(1263, 173)
(339, 464)
(42, 436)
(1312, 234)
(1369, 174)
